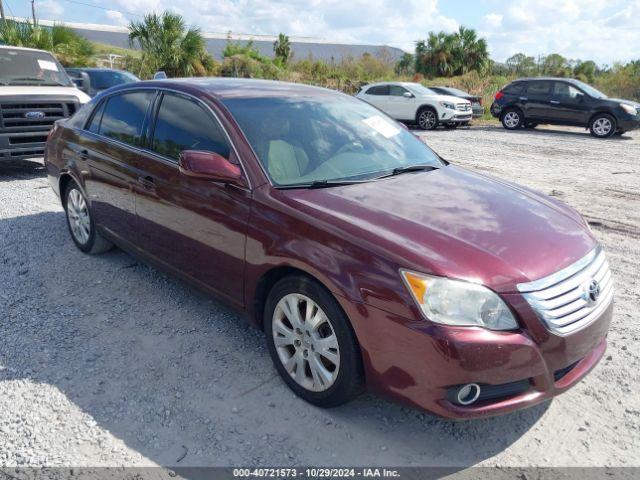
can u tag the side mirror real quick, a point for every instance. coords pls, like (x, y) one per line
(159, 75)
(83, 82)
(209, 166)
(407, 95)
(580, 97)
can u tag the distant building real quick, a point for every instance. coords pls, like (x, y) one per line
(302, 47)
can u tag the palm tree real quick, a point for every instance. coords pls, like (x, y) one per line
(70, 48)
(282, 49)
(168, 45)
(470, 52)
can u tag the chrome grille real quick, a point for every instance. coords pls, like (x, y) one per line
(563, 300)
(14, 116)
(463, 107)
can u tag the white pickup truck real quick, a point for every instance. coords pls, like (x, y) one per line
(35, 91)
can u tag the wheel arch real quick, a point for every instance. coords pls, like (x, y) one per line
(600, 111)
(426, 106)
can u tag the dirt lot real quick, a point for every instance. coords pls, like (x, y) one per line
(105, 361)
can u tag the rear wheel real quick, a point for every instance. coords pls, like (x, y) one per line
(512, 119)
(427, 119)
(602, 125)
(311, 343)
(80, 223)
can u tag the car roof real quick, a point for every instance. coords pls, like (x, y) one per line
(94, 69)
(25, 48)
(561, 79)
(224, 88)
(401, 84)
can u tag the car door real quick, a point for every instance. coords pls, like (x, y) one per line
(196, 227)
(401, 107)
(568, 104)
(378, 96)
(536, 100)
(108, 150)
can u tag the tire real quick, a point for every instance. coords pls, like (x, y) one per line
(602, 125)
(427, 118)
(512, 119)
(325, 381)
(464, 124)
(80, 222)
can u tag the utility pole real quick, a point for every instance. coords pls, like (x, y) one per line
(4, 20)
(33, 10)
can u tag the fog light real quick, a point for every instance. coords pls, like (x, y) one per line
(468, 394)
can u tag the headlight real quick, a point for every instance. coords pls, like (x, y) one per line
(630, 109)
(454, 302)
(448, 105)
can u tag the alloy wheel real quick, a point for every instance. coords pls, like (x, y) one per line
(306, 343)
(427, 120)
(602, 126)
(78, 215)
(511, 119)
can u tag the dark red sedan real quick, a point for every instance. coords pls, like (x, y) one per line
(366, 258)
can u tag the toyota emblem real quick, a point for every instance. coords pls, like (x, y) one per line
(591, 291)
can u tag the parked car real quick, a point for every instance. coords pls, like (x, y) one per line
(35, 91)
(529, 102)
(476, 101)
(365, 257)
(414, 103)
(92, 81)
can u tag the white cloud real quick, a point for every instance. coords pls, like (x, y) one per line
(48, 8)
(115, 17)
(584, 29)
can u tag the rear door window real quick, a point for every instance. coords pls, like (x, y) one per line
(124, 115)
(183, 124)
(379, 90)
(539, 89)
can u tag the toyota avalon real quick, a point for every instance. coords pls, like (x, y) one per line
(367, 260)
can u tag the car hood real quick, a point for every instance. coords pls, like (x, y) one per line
(622, 100)
(456, 223)
(33, 90)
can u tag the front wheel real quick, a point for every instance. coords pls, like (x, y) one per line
(311, 343)
(428, 119)
(80, 223)
(512, 119)
(602, 125)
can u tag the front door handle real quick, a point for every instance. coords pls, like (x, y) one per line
(555, 102)
(147, 182)
(524, 99)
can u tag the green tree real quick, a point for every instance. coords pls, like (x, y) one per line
(444, 54)
(167, 44)
(405, 65)
(555, 65)
(469, 51)
(70, 48)
(521, 64)
(585, 70)
(282, 50)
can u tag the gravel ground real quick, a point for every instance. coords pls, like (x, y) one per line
(105, 361)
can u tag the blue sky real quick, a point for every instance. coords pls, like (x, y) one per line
(604, 31)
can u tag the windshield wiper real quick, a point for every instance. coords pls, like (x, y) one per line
(321, 184)
(408, 168)
(39, 81)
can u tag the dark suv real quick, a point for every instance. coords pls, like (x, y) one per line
(529, 102)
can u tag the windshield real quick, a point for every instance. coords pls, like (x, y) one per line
(103, 79)
(418, 89)
(589, 90)
(28, 67)
(455, 92)
(325, 138)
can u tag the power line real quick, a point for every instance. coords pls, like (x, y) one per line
(103, 8)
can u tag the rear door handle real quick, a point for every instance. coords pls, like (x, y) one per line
(524, 99)
(555, 102)
(147, 182)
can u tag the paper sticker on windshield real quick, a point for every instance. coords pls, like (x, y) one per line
(47, 65)
(382, 126)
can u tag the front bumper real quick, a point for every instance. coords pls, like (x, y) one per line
(629, 122)
(417, 362)
(456, 117)
(21, 146)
